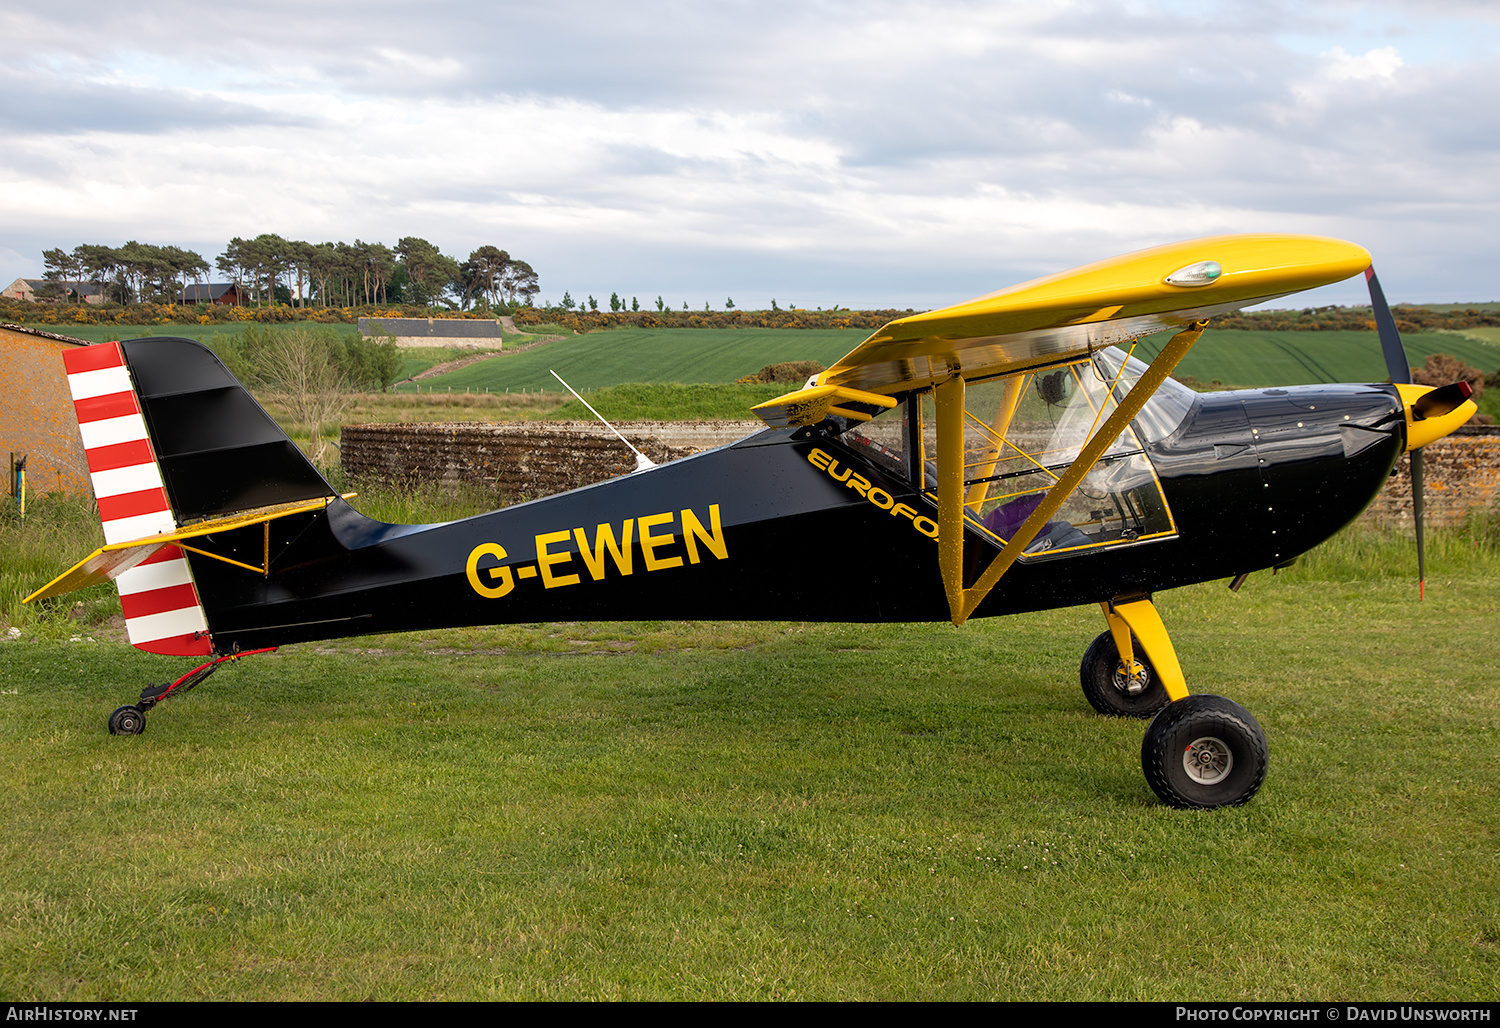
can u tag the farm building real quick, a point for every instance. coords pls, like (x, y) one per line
(453, 332)
(46, 289)
(36, 410)
(226, 293)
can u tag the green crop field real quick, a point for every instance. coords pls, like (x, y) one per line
(599, 359)
(1234, 358)
(649, 355)
(1485, 333)
(1250, 358)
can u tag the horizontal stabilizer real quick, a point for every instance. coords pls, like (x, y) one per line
(103, 565)
(113, 559)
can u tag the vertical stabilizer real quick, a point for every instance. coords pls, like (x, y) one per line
(161, 606)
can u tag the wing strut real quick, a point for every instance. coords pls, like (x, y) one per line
(949, 396)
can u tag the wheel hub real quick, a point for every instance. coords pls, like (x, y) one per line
(1136, 683)
(1208, 760)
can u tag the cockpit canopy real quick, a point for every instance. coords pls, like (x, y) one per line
(1022, 431)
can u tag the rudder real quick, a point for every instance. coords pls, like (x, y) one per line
(171, 437)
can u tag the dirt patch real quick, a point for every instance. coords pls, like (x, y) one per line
(464, 362)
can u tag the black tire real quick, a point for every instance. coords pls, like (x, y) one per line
(127, 721)
(1102, 675)
(1203, 752)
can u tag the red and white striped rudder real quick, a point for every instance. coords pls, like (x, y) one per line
(162, 610)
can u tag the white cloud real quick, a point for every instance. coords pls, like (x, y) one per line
(1379, 64)
(918, 152)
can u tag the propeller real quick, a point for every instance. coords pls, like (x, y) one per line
(1400, 371)
(1430, 405)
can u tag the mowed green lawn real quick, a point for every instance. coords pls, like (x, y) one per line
(768, 811)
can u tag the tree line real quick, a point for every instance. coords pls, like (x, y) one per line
(311, 371)
(130, 271)
(269, 270)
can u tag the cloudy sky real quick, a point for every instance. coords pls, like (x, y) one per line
(819, 152)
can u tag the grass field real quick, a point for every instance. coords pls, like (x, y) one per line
(701, 356)
(770, 811)
(1302, 358)
(650, 355)
(1486, 333)
(203, 333)
(1233, 358)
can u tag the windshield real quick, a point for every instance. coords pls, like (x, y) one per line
(1021, 432)
(1163, 412)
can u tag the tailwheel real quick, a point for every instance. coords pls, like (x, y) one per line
(132, 720)
(1203, 752)
(127, 721)
(1111, 690)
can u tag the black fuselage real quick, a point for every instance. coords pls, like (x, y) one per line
(762, 530)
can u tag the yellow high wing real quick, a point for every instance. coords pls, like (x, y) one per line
(109, 562)
(1050, 321)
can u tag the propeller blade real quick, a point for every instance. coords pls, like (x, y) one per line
(1390, 339)
(1399, 369)
(1416, 504)
(1441, 401)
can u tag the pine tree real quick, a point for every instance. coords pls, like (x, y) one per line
(614, 302)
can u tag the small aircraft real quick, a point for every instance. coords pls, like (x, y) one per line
(999, 456)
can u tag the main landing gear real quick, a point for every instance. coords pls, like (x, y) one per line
(1200, 751)
(131, 719)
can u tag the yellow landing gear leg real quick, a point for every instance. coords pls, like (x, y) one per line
(1131, 670)
(1200, 751)
(1145, 624)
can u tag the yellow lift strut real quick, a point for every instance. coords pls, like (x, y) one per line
(949, 396)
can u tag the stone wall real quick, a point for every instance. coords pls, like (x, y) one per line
(515, 461)
(1460, 474)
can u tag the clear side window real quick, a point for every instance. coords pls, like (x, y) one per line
(883, 440)
(1021, 433)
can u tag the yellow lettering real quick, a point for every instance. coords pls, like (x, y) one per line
(692, 531)
(604, 539)
(545, 560)
(873, 493)
(493, 574)
(649, 542)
